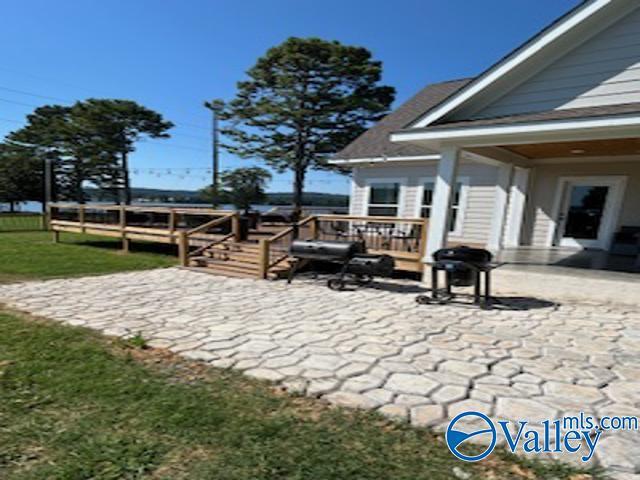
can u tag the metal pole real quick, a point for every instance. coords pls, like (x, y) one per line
(216, 107)
(216, 158)
(48, 192)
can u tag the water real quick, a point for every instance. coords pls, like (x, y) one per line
(37, 207)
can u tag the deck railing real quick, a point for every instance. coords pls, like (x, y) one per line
(156, 224)
(231, 219)
(403, 238)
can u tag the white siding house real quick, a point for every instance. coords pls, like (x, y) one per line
(542, 150)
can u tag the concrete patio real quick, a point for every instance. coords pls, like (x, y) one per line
(376, 348)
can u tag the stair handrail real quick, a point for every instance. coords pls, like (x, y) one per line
(211, 223)
(183, 235)
(264, 255)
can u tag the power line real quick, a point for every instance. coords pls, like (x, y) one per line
(37, 95)
(186, 147)
(19, 103)
(59, 99)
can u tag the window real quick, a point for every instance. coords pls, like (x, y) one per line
(455, 221)
(384, 198)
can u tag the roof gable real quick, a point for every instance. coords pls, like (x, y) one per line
(375, 142)
(475, 100)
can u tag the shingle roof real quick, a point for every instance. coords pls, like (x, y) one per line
(547, 115)
(375, 142)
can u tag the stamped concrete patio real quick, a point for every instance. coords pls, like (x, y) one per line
(376, 348)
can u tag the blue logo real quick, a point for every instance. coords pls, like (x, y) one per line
(457, 437)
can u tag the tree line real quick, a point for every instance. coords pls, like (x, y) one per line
(86, 143)
(301, 102)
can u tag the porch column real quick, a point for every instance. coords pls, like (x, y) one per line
(500, 206)
(517, 203)
(441, 204)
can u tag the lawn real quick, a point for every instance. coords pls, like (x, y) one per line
(28, 255)
(11, 222)
(77, 405)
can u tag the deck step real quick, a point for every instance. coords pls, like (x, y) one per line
(239, 259)
(226, 265)
(226, 255)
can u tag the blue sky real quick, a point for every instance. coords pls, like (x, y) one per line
(172, 55)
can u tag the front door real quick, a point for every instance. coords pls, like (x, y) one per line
(588, 212)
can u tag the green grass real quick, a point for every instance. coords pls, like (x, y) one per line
(19, 222)
(33, 255)
(74, 405)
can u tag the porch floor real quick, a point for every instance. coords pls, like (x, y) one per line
(588, 263)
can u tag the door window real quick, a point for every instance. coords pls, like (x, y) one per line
(585, 211)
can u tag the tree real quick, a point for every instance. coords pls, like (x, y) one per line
(52, 133)
(20, 176)
(89, 142)
(119, 124)
(242, 187)
(305, 100)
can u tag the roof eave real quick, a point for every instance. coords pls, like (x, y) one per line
(511, 61)
(522, 133)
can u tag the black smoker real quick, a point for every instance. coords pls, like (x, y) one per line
(357, 266)
(463, 267)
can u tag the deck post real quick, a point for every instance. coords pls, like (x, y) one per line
(56, 236)
(183, 249)
(314, 227)
(235, 227)
(263, 259)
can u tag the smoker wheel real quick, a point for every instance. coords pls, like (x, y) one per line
(364, 279)
(423, 299)
(336, 284)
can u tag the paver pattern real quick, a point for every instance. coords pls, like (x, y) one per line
(376, 348)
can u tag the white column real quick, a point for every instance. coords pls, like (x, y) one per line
(438, 229)
(517, 203)
(500, 206)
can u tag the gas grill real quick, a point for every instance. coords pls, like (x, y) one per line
(358, 267)
(463, 267)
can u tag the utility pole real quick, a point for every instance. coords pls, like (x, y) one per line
(48, 192)
(215, 106)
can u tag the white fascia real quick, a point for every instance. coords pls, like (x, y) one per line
(365, 161)
(568, 130)
(476, 87)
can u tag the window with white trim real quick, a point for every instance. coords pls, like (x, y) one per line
(384, 199)
(457, 204)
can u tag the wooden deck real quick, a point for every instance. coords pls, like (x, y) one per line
(213, 239)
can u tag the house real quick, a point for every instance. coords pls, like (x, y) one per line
(540, 151)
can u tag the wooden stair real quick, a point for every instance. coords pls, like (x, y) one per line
(236, 259)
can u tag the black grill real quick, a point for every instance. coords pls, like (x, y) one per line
(325, 250)
(463, 267)
(357, 266)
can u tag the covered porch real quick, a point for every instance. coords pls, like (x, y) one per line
(567, 193)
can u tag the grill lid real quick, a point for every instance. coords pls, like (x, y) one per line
(325, 249)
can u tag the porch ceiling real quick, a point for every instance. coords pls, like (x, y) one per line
(577, 149)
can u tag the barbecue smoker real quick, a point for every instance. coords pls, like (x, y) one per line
(463, 267)
(358, 267)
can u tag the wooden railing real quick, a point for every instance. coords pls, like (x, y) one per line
(403, 238)
(275, 249)
(156, 224)
(184, 237)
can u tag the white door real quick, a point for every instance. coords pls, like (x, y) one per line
(588, 211)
